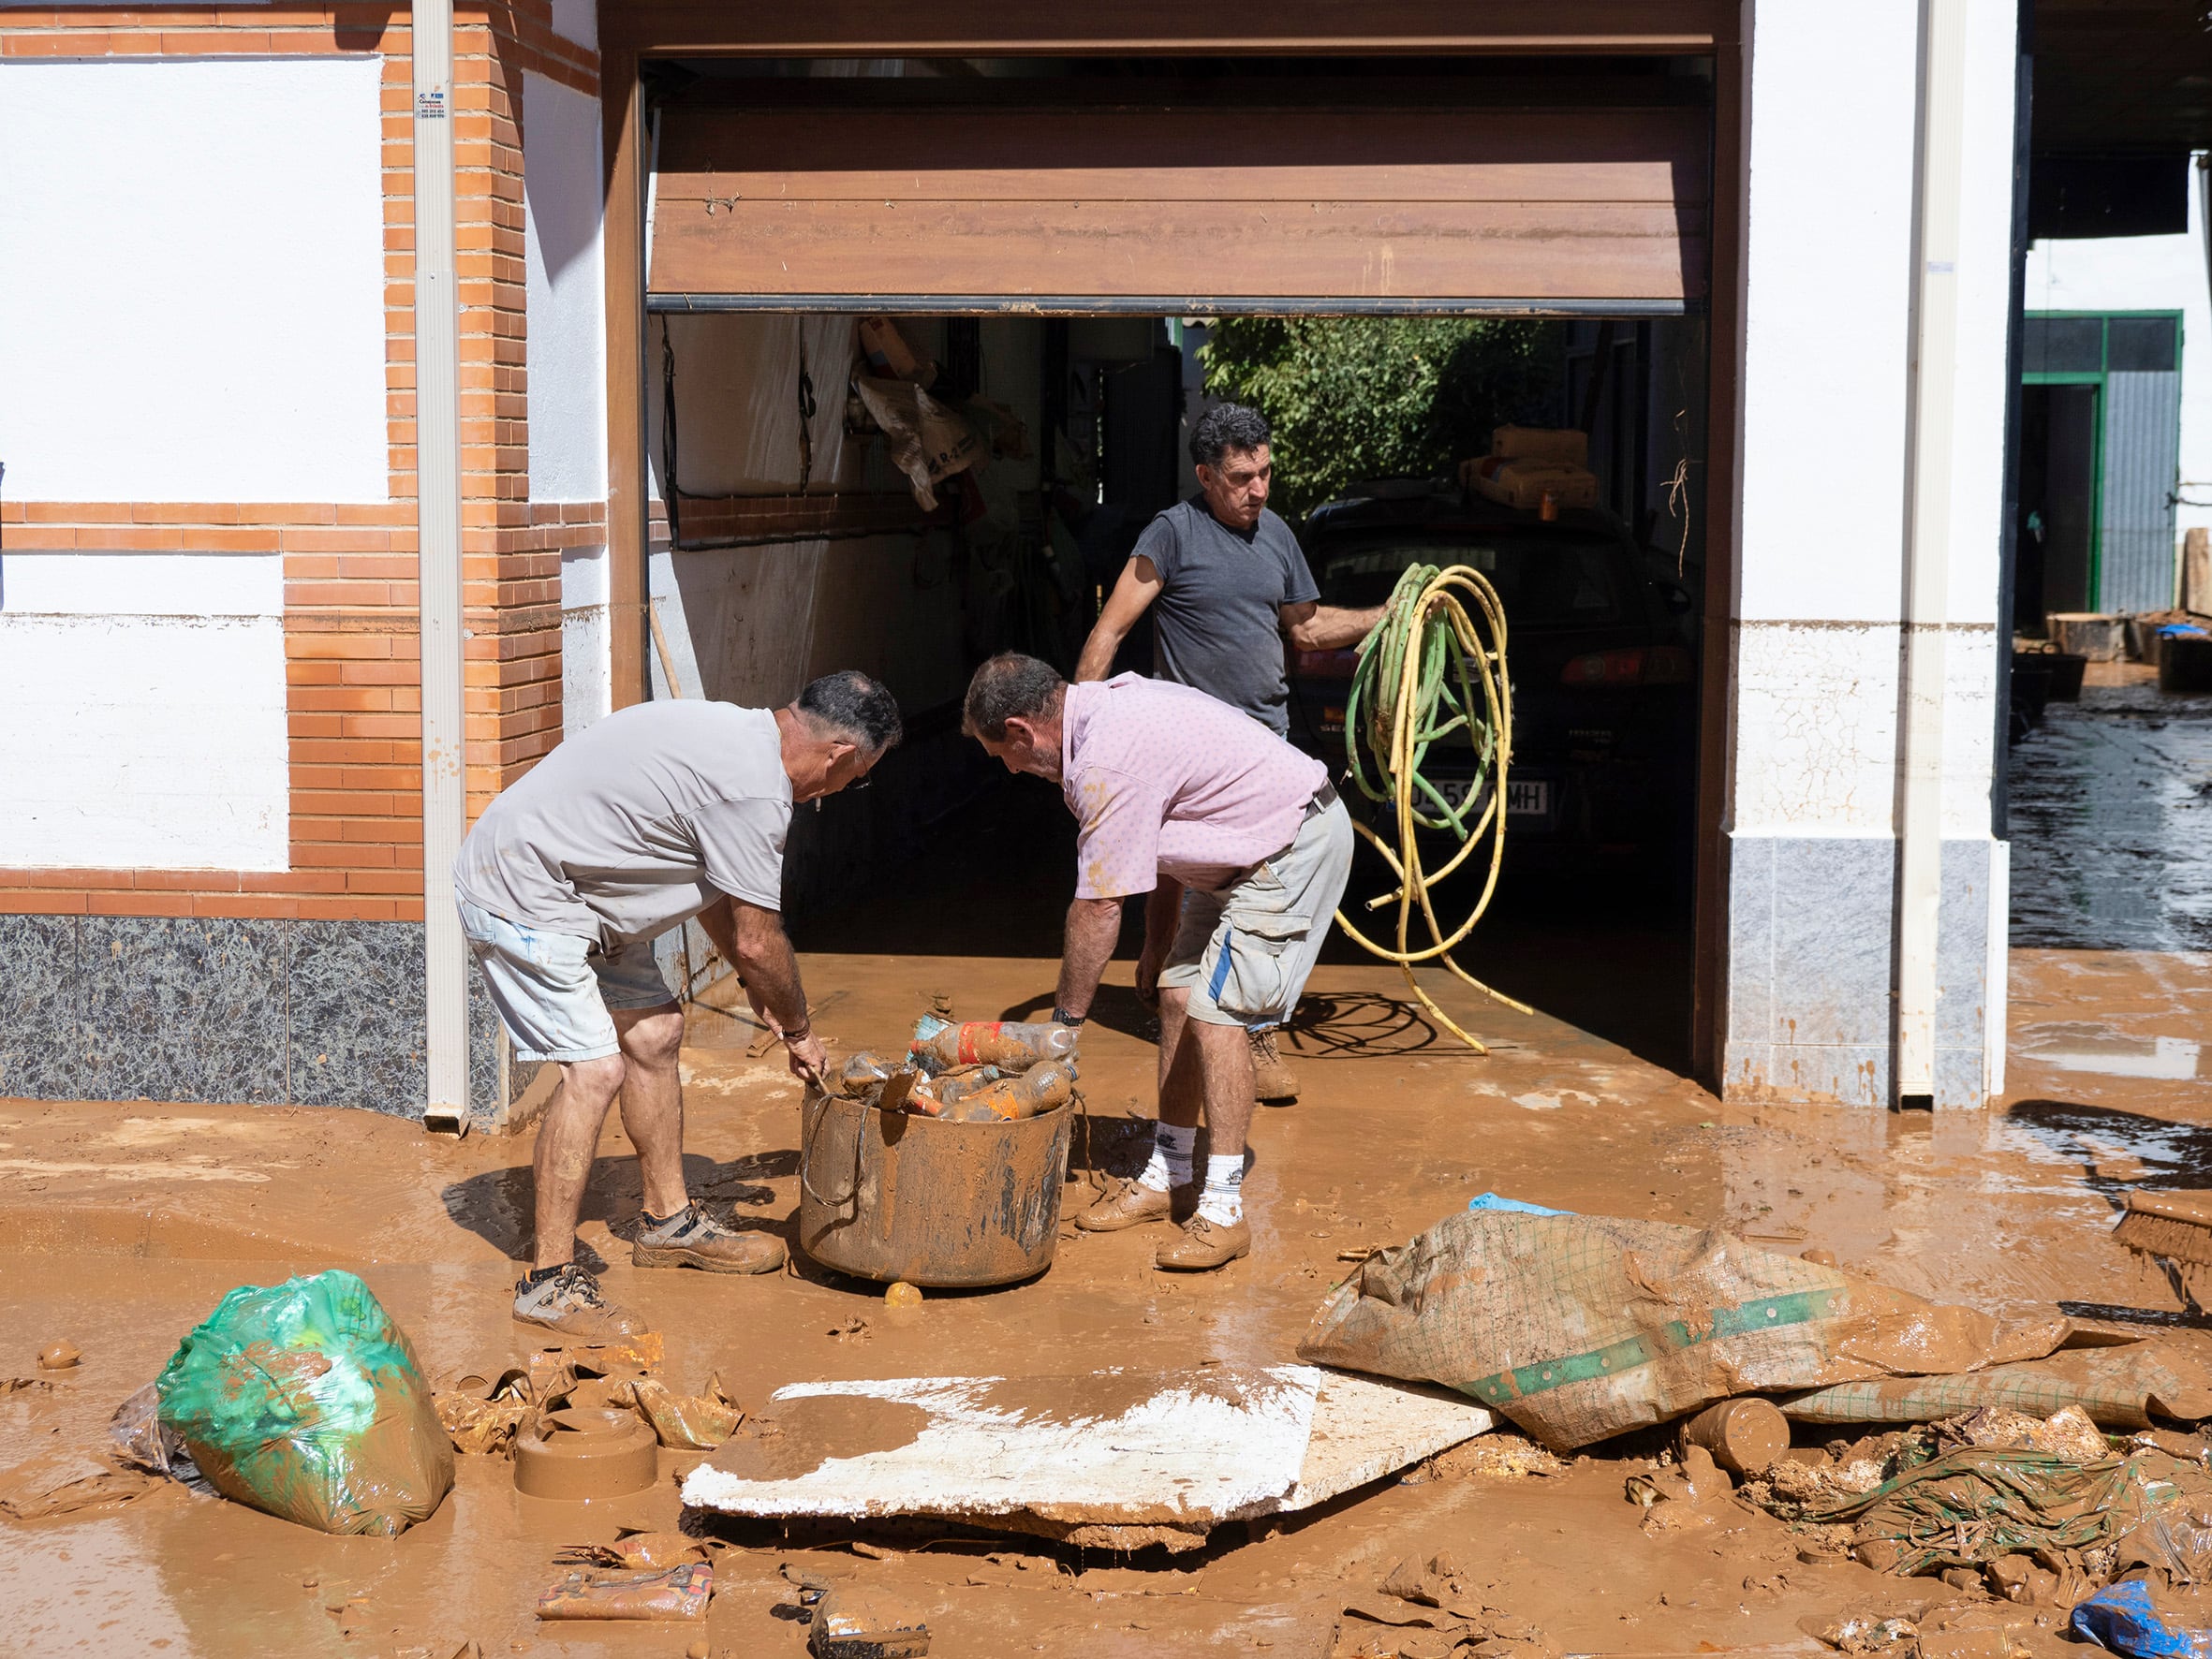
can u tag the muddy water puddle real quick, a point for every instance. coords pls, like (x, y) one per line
(2003, 1210)
(2111, 823)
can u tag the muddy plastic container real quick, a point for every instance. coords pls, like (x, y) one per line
(891, 1195)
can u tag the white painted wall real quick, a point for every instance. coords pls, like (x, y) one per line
(1827, 315)
(587, 675)
(192, 280)
(565, 293)
(578, 21)
(2147, 273)
(145, 698)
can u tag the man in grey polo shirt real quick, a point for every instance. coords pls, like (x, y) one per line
(651, 816)
(1226, 584)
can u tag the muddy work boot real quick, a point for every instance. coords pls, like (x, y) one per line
(1204, 1244)
(1273, 1080)
(688, 1240)
(567, 1301)
(1126, 1204)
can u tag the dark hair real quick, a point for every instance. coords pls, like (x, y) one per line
(851, 702)
(1226, 427)
(1009, 686)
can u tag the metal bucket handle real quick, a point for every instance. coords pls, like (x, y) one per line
(806, 1156)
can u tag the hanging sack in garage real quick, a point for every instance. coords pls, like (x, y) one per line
(1583, 1326)
(929, 441)
(304, 1398)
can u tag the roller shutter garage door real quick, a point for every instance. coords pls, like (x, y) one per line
(1167, 210)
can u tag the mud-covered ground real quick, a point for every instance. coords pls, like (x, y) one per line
(124, 1224)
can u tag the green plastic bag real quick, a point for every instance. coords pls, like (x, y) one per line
(304, 1398)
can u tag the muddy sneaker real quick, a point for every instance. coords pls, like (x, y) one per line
(1204, 1244)
(688, 1240)
(1126, 1204)
(1272, 1081)
(570, 1302)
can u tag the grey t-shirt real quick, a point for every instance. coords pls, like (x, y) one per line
(637, 823)
(1215, 624)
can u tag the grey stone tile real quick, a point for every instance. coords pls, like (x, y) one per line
(1961, 1078)
(1962, 944)
(1834, 1073)
(1833, 901)
(358, 1020)
(183, 1008)
(1744, 1069)
(483, 1045)
(1750, 938)
(42, 1042)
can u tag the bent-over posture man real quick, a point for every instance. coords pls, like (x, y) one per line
(1226, 584)
(1170, 784)
(651, 816)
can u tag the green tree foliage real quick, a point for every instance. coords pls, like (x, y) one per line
(1355, 397)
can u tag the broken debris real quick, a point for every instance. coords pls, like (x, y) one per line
(669, 1592)
(854, 1623)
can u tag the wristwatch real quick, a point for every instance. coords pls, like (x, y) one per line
(1061, 1017)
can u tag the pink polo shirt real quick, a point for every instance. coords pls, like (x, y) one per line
(1166, 781)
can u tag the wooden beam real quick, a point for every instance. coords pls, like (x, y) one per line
(622, 128)
(1155, 28)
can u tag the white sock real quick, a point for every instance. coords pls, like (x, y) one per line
(1173, 1146)
(1223, 1201)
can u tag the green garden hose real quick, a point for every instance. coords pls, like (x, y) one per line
(1425, 673)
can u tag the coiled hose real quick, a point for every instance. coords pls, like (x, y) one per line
(1425, 673)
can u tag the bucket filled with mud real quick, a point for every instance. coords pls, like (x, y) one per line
(898, 1180)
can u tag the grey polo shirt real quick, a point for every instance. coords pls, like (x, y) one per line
(638, 823)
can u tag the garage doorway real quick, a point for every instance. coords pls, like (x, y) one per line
(1083, 234)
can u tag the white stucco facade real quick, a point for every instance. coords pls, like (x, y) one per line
(565, 287)
(145, 698)
(192, 280)
(1815, 701)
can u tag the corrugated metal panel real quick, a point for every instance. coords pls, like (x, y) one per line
(2142, 460)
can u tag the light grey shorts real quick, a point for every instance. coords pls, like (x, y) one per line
(1244, 952)
(555, 991)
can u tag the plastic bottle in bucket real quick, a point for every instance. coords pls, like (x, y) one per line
(863, 1075)
(1035, 1092)
(938, 1044)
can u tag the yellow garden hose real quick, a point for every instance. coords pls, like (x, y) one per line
(1417, 682)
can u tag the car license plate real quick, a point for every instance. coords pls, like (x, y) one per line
(1528, 797)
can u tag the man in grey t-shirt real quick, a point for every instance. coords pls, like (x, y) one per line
(652, 817)
(1226, 583)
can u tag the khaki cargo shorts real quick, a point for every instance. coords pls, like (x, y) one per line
(1244, 952)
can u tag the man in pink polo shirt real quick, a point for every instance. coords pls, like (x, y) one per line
(1168, 781)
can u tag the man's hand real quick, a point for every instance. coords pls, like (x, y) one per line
(1148, 966)
(809, 1060)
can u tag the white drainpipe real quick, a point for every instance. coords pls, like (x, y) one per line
(437, 472)
(1931, 419)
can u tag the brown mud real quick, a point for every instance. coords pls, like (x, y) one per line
(125, 1223)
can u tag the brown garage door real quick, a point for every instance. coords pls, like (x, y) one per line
(1164, 210)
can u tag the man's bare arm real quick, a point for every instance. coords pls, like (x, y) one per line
(1094, 927)
(1313, 627)
(762, 954)
(1139, 586)
(1163, 914)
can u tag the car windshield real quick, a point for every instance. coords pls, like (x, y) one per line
(1544, 582)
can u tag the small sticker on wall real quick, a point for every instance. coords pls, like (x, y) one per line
(431, 106)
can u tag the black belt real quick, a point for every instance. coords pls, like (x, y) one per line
(1323, 799)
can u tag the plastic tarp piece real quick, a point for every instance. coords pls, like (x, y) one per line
(1579, 1328)
(1181, 1451)
(304, 1398)
(929, 441)
(2126, 1618)
(1969, 1507)
(2120, 1388)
